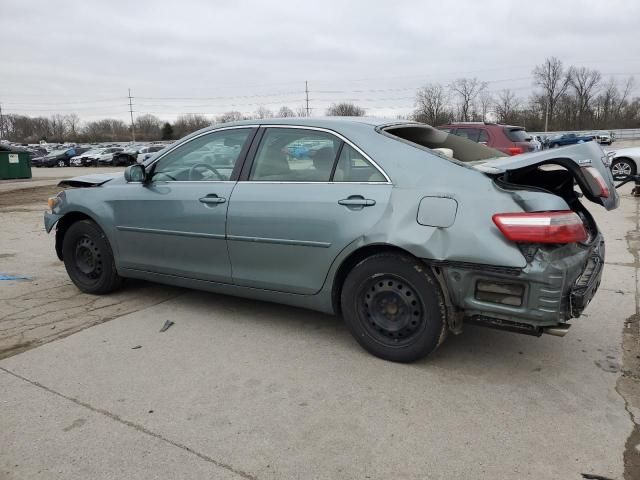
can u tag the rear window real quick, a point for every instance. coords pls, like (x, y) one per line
(517, 134)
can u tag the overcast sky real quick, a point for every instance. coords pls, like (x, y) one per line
(214, 56)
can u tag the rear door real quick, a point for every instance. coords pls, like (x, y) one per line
(306, 195)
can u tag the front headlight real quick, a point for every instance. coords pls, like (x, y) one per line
(54, 202)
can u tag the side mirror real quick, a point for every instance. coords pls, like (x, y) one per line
(135, 173)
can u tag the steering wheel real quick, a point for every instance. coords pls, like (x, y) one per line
(192, 171)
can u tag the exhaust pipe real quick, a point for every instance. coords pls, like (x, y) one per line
(558, 331)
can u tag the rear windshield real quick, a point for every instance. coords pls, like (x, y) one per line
(425, 136)
(517, 134)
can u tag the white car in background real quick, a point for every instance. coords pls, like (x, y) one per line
(625, 162)
(149, 151)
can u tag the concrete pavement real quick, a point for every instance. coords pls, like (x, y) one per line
(239, 388)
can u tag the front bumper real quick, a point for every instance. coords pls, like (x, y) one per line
(555, 286)
(50, 220)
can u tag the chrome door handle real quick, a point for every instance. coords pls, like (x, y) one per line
(212, 199)
(357, 201)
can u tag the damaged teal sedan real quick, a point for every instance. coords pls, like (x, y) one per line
(404, 230)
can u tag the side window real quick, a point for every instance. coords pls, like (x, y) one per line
(484, 136)
(295, 155)
(210, 157)
(353, 167)
(470, 133)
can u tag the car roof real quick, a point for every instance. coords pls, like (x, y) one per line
(320, 122)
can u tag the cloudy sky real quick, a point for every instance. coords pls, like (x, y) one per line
(212, 56)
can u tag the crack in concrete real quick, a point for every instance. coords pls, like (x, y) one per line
(135, 426)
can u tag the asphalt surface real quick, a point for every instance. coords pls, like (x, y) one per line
(244, 389)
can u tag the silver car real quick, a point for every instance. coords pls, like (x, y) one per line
(404, 230)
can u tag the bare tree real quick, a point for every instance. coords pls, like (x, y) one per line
(72, 123)
(263, 112)
(486, 101)
(232, 116)
(551, 78)
(301, 112)
(345, 109)
(431, 105)
(467, 89)
(507, 106)
(286, 112)
(148, 127)
(584, 82)
(189, 123)
(58, 127)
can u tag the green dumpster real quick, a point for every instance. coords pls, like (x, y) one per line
(14, 165)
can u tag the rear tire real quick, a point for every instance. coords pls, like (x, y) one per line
(394, 307)
(88, 258)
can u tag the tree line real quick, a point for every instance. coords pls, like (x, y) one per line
(564, 98)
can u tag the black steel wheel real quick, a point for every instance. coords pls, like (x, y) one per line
(88, 258)
(394, 307)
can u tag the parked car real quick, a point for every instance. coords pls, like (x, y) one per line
(567, 139)
(106, 157)
(57, 158)
(405, 243)
(128, 156)
(625, 162)
(149, 151)
(508, 139)
(604, 138)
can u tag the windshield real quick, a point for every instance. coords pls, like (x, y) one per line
(55, 153)
(517, 134)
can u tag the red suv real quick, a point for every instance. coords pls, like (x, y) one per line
(506, 138)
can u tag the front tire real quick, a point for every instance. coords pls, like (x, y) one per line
(622, 168)
(394, 307)
(88, 258)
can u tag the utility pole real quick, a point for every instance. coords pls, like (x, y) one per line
(306, 91)
(1, 123)
(133, 128)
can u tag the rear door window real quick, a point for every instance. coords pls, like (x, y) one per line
(353, 167)
(469, 133)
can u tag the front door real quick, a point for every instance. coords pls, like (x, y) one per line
(308, 195)
(175, 223)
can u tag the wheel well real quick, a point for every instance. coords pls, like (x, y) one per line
(63, 225)
(631, 162)
(351, 261)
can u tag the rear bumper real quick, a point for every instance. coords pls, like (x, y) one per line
(555, 286)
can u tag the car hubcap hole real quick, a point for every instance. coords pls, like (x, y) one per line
(88, 259)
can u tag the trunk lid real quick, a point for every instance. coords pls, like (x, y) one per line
(575, 158)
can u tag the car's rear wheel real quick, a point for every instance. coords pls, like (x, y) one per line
(61, 163)
(394, 307)
(621, 168)
(88, 258)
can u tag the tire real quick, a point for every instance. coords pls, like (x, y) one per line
(394, 307)
(622, 168)
(61, 163)
(88, 258)
(554, 145)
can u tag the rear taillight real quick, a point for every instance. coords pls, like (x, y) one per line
(514, 150)
(596, 182)
(541, 227)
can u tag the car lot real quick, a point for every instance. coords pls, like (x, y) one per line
(244, 389)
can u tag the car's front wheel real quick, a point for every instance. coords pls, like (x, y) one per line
(88, 258)
(394, 307)
(621, 168)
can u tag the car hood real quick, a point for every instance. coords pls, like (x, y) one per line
(573, 158)
(93, 180)
(627, 152)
